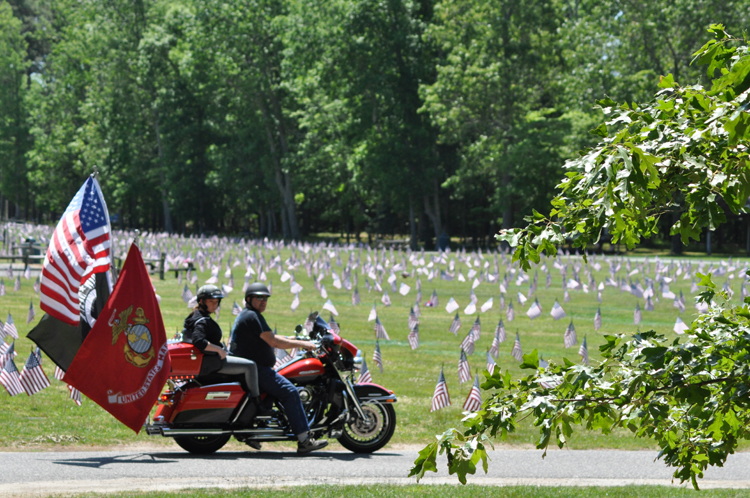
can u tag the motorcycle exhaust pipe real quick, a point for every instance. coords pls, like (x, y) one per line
(167, 432)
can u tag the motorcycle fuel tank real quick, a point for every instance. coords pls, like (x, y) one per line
(303, 370)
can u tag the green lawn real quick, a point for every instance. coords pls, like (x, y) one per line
(51, 418)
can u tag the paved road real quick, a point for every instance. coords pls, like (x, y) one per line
(39, 474)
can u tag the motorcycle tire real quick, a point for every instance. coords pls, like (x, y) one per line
(360, 437)
(202, 445)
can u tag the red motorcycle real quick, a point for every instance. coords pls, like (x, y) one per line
(202, 413)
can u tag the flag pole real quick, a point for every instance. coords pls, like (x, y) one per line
(95, 174)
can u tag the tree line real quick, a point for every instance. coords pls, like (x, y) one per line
(285, 117)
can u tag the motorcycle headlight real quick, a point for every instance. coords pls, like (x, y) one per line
(357, 360)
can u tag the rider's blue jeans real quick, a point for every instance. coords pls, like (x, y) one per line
(279, 387)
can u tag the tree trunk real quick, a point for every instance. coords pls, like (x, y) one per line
(412, 225)
(284, 222)
(432, 209)
(261, 223)
(164, 200)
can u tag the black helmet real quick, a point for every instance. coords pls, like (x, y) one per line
(209, 292)
(256, 289)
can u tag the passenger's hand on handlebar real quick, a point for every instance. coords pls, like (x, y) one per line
(222, 354)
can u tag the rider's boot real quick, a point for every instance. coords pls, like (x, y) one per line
(311, 444)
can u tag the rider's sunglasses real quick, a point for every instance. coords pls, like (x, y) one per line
(261, 298)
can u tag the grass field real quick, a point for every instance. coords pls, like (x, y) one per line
(51, 419)
(469, 491)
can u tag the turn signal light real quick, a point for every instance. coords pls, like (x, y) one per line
(166, 399)
(181, 377)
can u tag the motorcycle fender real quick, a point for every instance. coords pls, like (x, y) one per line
(374, 392)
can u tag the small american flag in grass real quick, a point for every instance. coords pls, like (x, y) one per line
(440, 398)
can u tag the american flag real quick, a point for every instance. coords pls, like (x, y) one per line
(570, 338)
(373, 314)
(282, 358)
(679, 326)
(364, 374)
(59, 373)
(186, 294)
(583, 351)
(500, 332)
(517, 352)
(33, 378)
(557, 311)
(17, 284)
(295, 302)
(637, 314)
(451, 306)
(380, 332)
(490, 363)
(79, 246)
(649, 306)
(535, 311)
(433, 302)
(308, 325)
(509, 313)
(9, 377)
(27, 272)
(334, 325)
(37, 285)
(474, 399)
(495, 348)
(32, 313)
(236, 310)
(355, 297)
(75, 395)
(440, 398)
(10, 328)
(330, 307)
(487, 305)
(377, 357)
(464, 372)
(414, 337)
(386, 300)
(598, 319)
(476, 329)
(7, 351)
(413, 320)
(416, 309)
(468, 343)
(455, 325)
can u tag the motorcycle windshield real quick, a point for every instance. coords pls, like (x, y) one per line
(322, 324)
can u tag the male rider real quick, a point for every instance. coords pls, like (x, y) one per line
(253, 339)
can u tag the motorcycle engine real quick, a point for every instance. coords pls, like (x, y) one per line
(310, 397)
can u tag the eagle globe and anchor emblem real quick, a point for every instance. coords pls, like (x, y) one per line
(138, 350)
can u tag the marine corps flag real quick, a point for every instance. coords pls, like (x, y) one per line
(123, 363)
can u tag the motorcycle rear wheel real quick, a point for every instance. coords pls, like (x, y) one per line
(202, 445)
(360, 437)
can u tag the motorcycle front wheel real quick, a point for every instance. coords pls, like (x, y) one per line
(362, 436)
(202, 445)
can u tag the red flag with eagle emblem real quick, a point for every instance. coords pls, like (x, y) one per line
(123, 363)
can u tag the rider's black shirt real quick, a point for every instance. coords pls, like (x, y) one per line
(205, 330)
(245, 340)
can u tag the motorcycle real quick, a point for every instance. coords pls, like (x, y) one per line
(202, 413)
